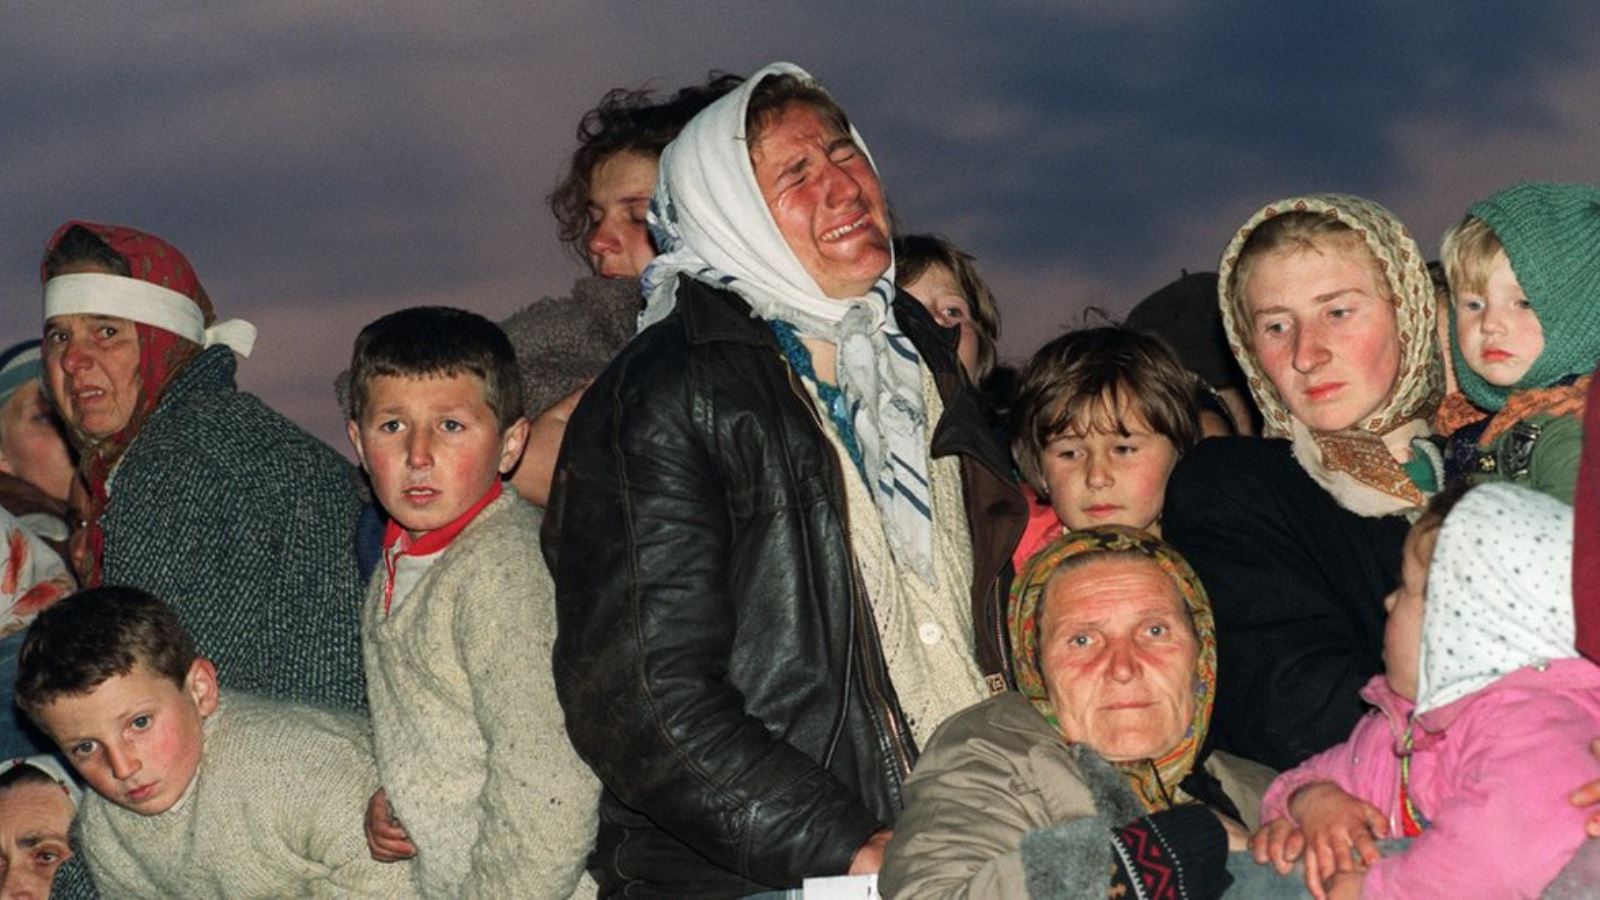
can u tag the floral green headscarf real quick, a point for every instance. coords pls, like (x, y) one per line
(1155, 781)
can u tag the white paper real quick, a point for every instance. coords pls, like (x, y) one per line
(843, 887)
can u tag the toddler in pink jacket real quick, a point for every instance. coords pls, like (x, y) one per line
(1482, 723)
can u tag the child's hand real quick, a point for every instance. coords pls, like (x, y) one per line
(1278, 842)
(1335, 824)
(386, 837)
(1342, 886)
(1589, 795)
(1238, 836)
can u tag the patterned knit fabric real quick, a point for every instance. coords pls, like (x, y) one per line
(1551, 235)
(245, 526)
(274, 811)
(1150, 851)
(471, 743)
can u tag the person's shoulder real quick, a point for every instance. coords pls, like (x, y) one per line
(1004, 721)
(235, 427)
(259, 716)
(1235, 451)
(564, 342)
(1242, 466)
(500, 547)
(508, 522)
(269, 736)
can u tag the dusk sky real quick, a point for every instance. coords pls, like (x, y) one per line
(321, 163)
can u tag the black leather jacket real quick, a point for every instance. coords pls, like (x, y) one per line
(716, 657)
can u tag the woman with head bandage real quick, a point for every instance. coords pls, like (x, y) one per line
(198, 492)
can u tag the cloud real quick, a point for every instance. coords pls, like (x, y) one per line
(322, 164)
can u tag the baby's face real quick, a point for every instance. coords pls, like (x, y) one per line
(136, 738)
(1402, 633)
(1499, 334)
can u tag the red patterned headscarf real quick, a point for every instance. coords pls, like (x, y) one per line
(1154, 781)
(162, 354)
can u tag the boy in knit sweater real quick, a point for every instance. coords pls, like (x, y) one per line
(479, 781)
(195, 795)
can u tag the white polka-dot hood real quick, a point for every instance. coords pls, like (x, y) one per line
(1499, 592)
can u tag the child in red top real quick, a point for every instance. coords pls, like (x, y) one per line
(1101, 417)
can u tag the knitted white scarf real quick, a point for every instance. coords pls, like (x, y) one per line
(711, 224)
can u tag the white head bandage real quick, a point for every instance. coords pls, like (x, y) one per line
(100, 294)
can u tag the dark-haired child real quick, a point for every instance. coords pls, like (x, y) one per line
(1101, 416)
(479, 780)
(195, 795)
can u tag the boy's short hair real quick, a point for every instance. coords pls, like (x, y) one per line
(80, 642)
(438, 342)
(1081, 381)
(1467, 252)
(914, 253)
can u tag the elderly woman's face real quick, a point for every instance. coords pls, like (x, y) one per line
(34, 819)
(91, 364)
(825, 198)
(1118, 654)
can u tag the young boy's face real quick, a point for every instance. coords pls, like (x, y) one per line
(136, 738)
(1109, 476)
(1402, 633)
(432, 446)
(1499, 333)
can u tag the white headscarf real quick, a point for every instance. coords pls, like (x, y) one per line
(51, 767)
(711, 223)
(1499, 592)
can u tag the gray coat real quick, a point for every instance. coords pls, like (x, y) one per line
(999, 800)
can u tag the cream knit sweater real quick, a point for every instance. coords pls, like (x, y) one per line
(274, 811)
(926, 630)
(471, 744)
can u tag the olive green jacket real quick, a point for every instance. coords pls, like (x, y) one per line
(1540, 452)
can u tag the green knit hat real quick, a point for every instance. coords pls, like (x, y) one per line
(1551, 235)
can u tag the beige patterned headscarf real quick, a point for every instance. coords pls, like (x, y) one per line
(1354, 465)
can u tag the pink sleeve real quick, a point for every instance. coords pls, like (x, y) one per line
(1360, 766)
(1506, 829)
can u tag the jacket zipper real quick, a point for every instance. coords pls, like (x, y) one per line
(857, 600)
